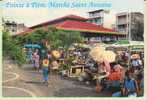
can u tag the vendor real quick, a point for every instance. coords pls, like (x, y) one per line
(129, 87)
(103, 70)
(116, 74)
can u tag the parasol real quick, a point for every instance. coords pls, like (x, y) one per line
(32, 46)
(56, 54)
(99, 54)
(109, 56)
(96, 53)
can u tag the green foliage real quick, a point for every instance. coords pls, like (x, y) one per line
(10, 48)
(56, 38)
(65, 67)
(61, 38)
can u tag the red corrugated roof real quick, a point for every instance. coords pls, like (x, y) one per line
(74, 17)
(77, 24)
(83, 26)
(80, 26)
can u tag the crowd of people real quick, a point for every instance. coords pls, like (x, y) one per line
(104, 73)
(127, 80)
(40, 60)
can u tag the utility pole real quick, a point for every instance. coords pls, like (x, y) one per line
(129, 31)
(129, 38)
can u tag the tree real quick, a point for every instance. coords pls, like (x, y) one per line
(69, 37)
(11, 49)
(137, 30)
(56, 38)
(62, 38)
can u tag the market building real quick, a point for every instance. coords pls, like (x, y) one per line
(90, 31)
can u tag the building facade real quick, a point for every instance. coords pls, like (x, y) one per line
(91, 32)
(132, 24)
(13, 27)
(105, 18)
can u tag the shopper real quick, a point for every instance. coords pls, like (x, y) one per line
(45, 69)
(37, 62)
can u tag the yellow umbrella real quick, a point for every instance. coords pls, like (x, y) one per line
(56, 54)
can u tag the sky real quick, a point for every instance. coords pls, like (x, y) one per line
(33, 16)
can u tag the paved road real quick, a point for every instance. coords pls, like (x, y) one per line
(25, 82)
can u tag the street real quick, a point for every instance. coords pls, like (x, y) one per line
(26, 82)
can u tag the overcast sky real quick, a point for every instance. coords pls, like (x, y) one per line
(33, 16)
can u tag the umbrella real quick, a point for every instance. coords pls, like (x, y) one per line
(56, 54)
(32, 46)
(96, 53)
(109, 56)
(99, 54)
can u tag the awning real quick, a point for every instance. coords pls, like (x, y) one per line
(32, 46)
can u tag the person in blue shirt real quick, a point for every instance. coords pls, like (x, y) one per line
(129, 88)
(136, 64)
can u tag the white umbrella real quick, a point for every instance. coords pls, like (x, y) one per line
(109, 56)
(96, 53)
(100, 54)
